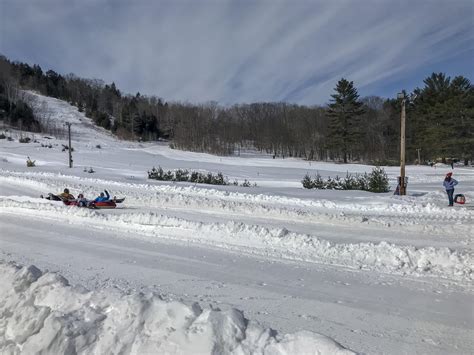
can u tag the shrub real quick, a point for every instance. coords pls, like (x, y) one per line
(156, 174)
(376, 181)
(194, 177)
(2, 136)
(246, 183)
(24, 140)
(181, 175)
(307, 182)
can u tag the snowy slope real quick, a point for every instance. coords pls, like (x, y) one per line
(376, 272)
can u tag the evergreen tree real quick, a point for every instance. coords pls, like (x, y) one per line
(378, 180)
(442, 119)
(344, 113)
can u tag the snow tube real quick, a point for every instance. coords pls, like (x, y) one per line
(92, 204)
(104, 204)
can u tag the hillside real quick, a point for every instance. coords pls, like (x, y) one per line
(376, 273)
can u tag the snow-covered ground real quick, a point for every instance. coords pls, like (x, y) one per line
(43, 312)
(375, 272)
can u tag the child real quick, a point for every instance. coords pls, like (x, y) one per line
(449, 184)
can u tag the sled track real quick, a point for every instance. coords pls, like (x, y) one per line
(270, 242)
(396, 213)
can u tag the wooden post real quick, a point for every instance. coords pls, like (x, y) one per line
(403, 187)
(70, 148)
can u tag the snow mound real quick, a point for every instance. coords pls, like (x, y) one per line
(254, 239)
(42, 313)
(387, 211)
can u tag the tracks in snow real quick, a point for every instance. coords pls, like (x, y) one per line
(345, 234)
(254, 239)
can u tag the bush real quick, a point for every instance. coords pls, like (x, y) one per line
(2, 136)
(181, 175)
(194, 177)
(376, 181)
(246, 183)
(307, 182)
(24, 140)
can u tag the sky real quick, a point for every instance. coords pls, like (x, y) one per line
(244, 51)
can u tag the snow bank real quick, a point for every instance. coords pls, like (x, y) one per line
(259, 240)
(42, 313)
(408, 211)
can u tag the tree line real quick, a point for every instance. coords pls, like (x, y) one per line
(440, 122)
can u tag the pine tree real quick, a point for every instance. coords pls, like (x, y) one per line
(442, 118)
(378, 180)
(344, 112)
(307, 182)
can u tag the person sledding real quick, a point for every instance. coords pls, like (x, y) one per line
(66, 195)
(103, 197)
(82, 201)
(103, 201)
(449, 183)
(63, 196)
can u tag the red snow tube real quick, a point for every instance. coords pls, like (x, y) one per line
(101, 205)
(460, 198)
(104, 204)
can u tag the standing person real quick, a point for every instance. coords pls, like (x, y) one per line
(449, 184)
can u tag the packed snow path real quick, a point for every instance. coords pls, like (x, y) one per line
(377, 273)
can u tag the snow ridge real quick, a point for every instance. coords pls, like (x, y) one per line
(41, 313)
(270, 242)
(270, 206)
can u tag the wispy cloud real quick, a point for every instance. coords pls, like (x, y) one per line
(241, 51)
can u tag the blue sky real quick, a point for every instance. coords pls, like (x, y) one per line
(244, 51)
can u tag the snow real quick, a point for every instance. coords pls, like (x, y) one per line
(255, 239)
(376, 273)
(41, 312)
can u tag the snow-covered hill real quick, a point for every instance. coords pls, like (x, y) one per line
(376, 272)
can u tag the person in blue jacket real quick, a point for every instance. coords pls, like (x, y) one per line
(449, 184)
(102, 197)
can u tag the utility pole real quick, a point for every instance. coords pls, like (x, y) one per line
(402, 184)
(419, 157)
(68, 124)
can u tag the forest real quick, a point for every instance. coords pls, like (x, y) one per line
(350, 128)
